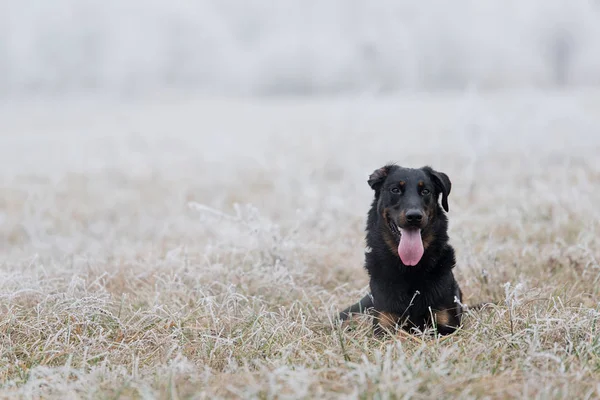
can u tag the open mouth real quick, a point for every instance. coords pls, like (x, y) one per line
(394, 228)
(410, 248)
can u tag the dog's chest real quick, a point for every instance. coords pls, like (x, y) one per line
(420, 296)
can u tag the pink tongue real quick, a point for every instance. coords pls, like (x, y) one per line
(410, 248)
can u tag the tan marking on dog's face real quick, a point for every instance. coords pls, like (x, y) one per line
(384, 214)
(431, 209)
(391, 242)
(387, 235)
(428, 238)
(421, 184)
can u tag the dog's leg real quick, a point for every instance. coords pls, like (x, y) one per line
(385, 322)
(362, 306)
(447, 321)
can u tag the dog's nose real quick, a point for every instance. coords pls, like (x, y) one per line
(414, 216)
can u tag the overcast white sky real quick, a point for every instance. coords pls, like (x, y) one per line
(295, 46)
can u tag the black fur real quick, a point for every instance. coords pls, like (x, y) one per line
(411, 295)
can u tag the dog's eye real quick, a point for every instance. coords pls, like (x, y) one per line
(395, 190)
(425, 192)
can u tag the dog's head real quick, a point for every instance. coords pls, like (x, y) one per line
(407, 200)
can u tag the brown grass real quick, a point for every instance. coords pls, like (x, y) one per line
(207, 259)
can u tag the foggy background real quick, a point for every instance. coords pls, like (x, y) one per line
(259, 47)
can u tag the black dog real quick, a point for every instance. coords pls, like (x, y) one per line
(408, 258)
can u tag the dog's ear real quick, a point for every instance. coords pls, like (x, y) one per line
(442, 184)
(378, 176)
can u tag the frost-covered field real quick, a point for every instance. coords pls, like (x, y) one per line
(199, 248)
